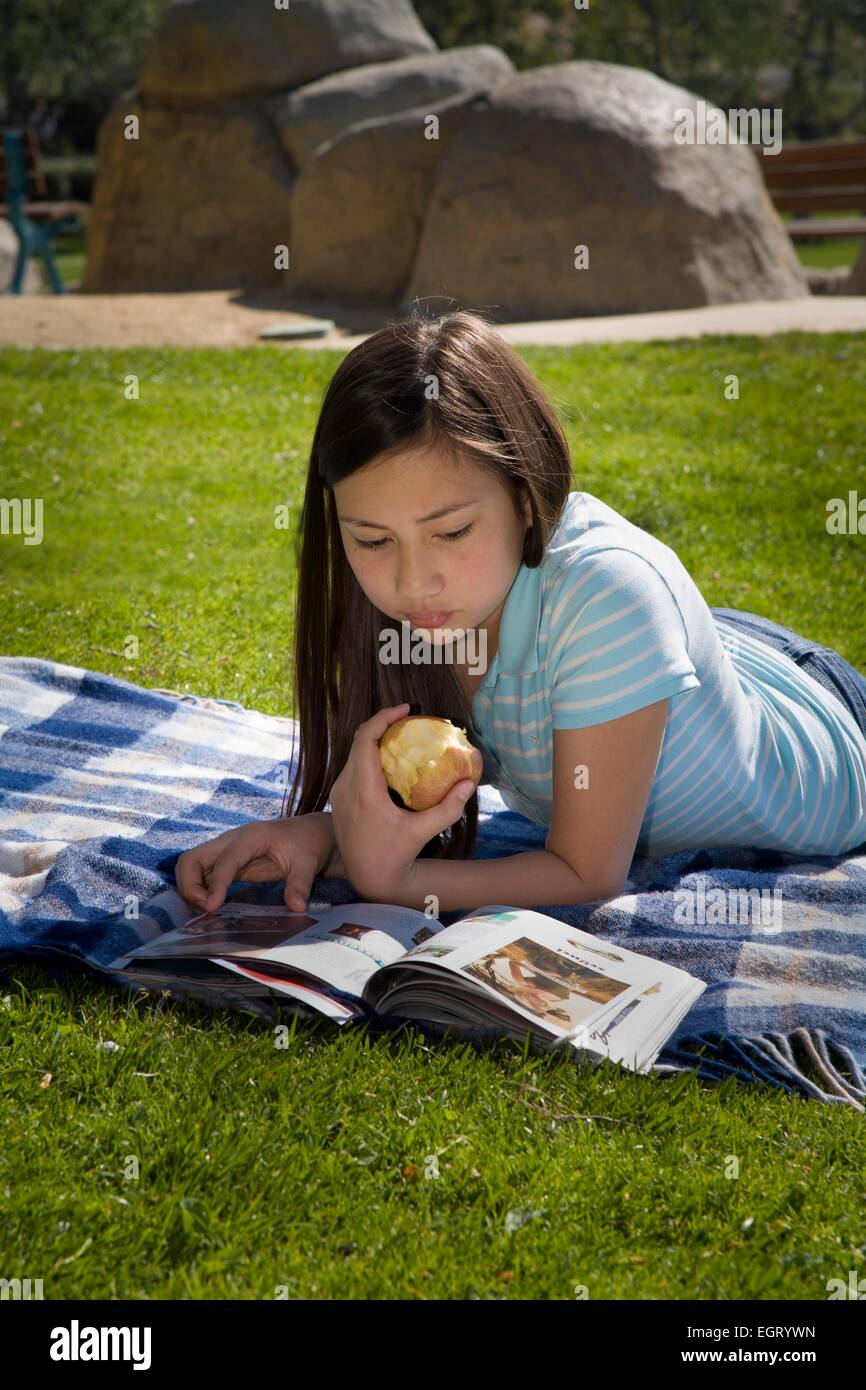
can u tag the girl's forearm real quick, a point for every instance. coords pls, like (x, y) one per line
(535, 878)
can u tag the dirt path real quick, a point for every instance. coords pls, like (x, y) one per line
(234, 318)
(211, 318)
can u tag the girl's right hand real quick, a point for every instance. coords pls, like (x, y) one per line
(295, 849)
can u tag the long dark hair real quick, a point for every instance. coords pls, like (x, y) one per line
(487, 406)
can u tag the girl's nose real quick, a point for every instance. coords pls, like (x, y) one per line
(418, 582)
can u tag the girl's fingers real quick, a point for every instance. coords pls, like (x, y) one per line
(438, 818)
(189, 874)
(299, 881)
(203, 874)
(373, 729)
(364, 756)
(224, 873)
(295, 896)
(194, 867)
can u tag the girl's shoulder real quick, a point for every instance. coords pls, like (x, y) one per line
(596, 545)
(603, 569)
(588, 524)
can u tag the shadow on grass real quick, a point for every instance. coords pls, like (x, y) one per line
(76, 983)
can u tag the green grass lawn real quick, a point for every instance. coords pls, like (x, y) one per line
(832, 251)
(260, 1169)
(70, 253)
(824, 255)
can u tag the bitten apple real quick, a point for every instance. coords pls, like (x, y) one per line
(422, 758)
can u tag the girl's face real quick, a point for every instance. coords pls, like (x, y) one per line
(412, 564)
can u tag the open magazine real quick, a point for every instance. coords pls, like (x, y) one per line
(496, 970)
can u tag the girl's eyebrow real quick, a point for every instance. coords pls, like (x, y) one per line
(431, 516)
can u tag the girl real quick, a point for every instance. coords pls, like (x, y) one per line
(610, 704)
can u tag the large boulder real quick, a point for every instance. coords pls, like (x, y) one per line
(206, 51)
(359, 207)
(583, 154)
(321, 111)
(199, 201)
(308, 126)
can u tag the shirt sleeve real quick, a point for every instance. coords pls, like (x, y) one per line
(617, 640)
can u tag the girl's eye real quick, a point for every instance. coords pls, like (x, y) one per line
(447, 536)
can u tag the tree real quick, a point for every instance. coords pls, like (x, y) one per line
(61, 49)
(720, 51)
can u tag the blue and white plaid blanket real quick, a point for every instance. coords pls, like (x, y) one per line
(100, 780)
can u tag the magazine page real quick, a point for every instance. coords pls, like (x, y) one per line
(338, 949)
(637, 1026)
(546, 972)
(199, 981)
(241, 926)
(349, 944)
(303, 991)
(193, 974)
(176, 973)
(637, 1036)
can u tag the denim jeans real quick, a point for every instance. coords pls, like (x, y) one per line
(826, 666)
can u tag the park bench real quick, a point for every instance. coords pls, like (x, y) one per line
(819, 176)
(35, 219)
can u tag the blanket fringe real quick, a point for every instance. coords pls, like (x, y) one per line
(781, 1059)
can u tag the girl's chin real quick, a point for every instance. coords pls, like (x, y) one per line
(451, 624)
(448, 632)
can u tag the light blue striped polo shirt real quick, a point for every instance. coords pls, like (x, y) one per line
(755, 751)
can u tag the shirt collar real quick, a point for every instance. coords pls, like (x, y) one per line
(517, 651)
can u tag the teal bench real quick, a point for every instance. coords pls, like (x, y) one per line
(35, 220)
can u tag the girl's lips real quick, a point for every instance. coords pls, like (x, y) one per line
(428, 619)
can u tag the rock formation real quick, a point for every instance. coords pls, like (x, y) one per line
(390, 170)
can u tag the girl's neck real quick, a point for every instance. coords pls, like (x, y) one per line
(471, 677)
